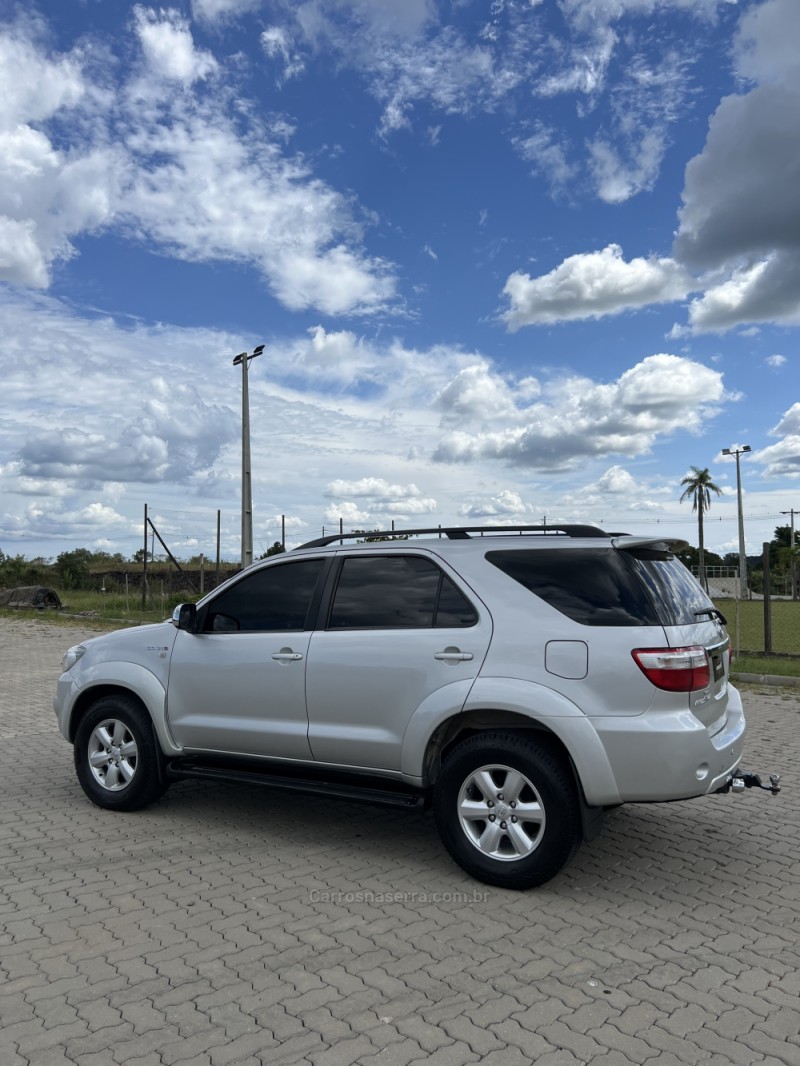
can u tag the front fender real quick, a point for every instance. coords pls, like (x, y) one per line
(76, 692)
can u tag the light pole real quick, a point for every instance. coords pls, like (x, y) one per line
(243, 359)
(742, 557)
(792, 560)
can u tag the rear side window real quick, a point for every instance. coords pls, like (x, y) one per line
(398, 591)
(597, 587)
(678, 597)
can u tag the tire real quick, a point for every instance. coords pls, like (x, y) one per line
(483, 781)
(117, 759)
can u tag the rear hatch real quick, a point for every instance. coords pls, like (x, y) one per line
(690, 621)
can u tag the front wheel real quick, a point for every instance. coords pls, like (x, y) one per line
(507, 809)
(117, 759)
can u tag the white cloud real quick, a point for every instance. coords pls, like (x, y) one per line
(47, 194)
(277, 45)
(586, 65)
(775, 361)
(34, 84)
(426, 505)
(184, 169)
(580, 419)
(407, 56)
(348, 512)
(548, 151)
(789, 424)
(219, 10)
(781, 460)
(616, 480)
(592, 285)
(504, 504)
(21, 258)
(376, 487)
(588, 13)
(136, 430)
(168, 47)
(479, 394)
(618, 179)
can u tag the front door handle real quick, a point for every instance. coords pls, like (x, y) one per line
(453, 655)
(286, 655)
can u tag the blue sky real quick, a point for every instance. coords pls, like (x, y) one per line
(509, 259)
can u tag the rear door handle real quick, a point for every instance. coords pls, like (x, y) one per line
(453, 655)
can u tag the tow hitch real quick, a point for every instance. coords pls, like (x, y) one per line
(743, 779)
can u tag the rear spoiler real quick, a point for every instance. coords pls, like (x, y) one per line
(625, 542)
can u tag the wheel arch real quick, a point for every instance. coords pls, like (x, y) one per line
(89, 696)
(470, 723)
(132, 681)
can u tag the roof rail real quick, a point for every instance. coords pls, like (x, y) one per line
(456, 533)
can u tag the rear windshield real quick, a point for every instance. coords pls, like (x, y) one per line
(606, 587)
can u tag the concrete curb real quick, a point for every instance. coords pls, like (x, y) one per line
(765, 679)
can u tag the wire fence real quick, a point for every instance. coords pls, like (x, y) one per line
(765, 626)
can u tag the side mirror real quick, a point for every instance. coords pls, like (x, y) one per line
(185, 616)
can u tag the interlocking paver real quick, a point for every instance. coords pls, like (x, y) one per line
(199, 932)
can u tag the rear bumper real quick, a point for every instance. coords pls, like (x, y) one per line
(661, 756)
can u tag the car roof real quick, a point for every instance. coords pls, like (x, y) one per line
(457, 538)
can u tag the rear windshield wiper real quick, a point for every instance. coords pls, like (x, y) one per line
(712, 612)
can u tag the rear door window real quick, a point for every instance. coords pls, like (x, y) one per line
(398, 591)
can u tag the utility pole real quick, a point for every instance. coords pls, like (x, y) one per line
(792, 560)
(738, 452)
(243, 359)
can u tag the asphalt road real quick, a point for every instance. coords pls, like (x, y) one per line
(236, 925)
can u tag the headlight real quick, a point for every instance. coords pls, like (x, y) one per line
(71, 657)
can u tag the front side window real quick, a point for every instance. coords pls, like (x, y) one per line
(276, 598)
(398, 591)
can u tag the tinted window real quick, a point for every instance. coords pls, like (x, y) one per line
(599, 587)
(398, 591)
(677, 595)
(276, 598)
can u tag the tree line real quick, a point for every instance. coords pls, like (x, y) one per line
(78, 569)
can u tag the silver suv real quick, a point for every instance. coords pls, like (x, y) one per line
(519, 681)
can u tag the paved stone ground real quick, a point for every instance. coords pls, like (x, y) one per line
(229, 925)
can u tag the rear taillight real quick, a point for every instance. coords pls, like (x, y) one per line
(674, 669)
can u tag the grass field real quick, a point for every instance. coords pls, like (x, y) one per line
(101, 610)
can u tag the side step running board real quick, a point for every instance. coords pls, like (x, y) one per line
(179, 769)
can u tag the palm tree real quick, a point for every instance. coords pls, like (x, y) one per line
(699, 487)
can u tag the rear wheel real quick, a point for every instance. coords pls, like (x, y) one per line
(117, 759)
(507, 809)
